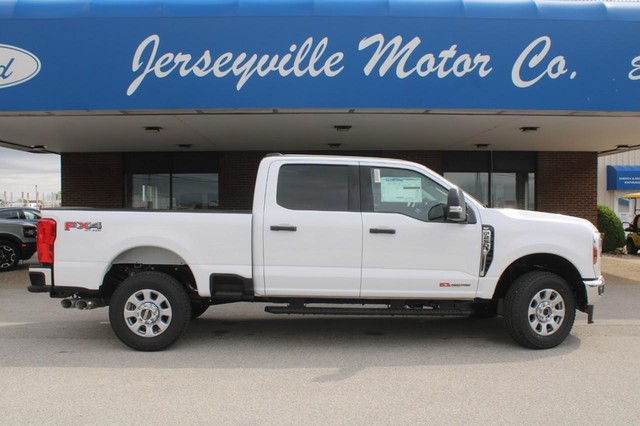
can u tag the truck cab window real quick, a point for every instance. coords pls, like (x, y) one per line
(407, 192)
(313, 187)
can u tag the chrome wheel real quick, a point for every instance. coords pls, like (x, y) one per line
(539, 310)
(147, 313)
(546, 312)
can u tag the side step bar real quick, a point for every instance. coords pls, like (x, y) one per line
(433, 312)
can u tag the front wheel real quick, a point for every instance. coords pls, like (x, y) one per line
(149, 311)
(631, 247)
(539, 310)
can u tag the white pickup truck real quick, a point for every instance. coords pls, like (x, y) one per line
(327, 235)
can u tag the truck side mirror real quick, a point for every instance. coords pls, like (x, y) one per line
(456, 206)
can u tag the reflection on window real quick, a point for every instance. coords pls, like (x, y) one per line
(150, 191)
(10, 214)
(408, 193)
(474, 184)
(30, 215)
(195, 191)
(503, 190)
(174, 191)
(507, 190)
(313, 187)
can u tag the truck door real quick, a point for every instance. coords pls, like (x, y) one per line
(312, 230)
(409, 250)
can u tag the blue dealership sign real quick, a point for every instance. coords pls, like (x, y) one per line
(626, 178)
(199, 54)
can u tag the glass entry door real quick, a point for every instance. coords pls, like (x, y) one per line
(501, 190)
(151, 191)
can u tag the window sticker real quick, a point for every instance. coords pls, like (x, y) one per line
(376, 175)
(401, 190)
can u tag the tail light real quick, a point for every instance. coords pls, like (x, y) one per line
(46, 236)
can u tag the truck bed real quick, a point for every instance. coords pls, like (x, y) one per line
(89, 241)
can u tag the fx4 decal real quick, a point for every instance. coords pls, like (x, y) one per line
(85, 226)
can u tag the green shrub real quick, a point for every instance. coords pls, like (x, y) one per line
(611, 226)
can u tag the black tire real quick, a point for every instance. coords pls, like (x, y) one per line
(631, 247)
(198, 308)
(539, 310)
(9, 255)
(149, 311)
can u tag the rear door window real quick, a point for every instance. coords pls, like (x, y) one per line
(313, 187)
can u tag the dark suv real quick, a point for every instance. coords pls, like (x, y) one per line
(17, 242)
(20, 213)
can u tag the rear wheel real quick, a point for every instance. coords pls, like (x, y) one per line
(631, 247)
(149, 311)
(9, 256)
(539, 310)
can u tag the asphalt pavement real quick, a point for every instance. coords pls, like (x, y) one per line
(239, 365)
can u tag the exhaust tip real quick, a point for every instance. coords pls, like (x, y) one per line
(81, 304)
(66, 303)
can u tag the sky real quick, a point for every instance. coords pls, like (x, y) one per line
(22, 171)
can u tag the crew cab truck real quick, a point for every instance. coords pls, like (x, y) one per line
(327, 235)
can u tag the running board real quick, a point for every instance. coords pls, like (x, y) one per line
(304, 310)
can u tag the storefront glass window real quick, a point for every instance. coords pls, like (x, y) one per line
(506, 190)
(171, 180)
(174, 191)
(474, 184)
(195, 190)
(531, 192)
(150, 191)
(503, 190)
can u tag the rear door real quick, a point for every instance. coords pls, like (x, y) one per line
(312, 230)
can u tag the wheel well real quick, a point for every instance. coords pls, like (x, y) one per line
(121, 271)
(543, 262)
(14, 241)
(149, 255)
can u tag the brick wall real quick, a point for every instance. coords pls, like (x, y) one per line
(92, 180)
(237, 174)
(566, 182)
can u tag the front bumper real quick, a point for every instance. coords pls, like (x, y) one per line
(594, 290)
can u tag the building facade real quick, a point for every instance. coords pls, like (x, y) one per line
(619, 175)
(171, 104)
